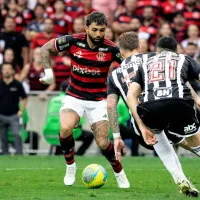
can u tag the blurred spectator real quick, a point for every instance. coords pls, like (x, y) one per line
(191, 12)
(16, 41)
(22, 8)
(124, 22)
(36, 25)
(3, 12)
(180, 48)
(170, 7)
(109, 34)
(154, 4)
(87, 8)
(107, 7)
(122, 8)
(62, 69)
(73, 8)
(11, 92)
(33, 72)
(62, 21)
(193, 36)
(192, 50)
(164, 30)
(149, 25)
(13, 12)
(144, 46)
(9, 57)
(179, 27)
(41, 38)
(48, 8)
(79, 25)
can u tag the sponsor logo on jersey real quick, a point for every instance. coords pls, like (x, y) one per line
(78, 54)
(85, 70)
(162, 92)
(190, 128)
(80, 44)
(103, 49)
(101, 56)
(62, 40)
(63, 46)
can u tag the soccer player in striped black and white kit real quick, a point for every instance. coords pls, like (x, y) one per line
(91, 56)
(167, 101)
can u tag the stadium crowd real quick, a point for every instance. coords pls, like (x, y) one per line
(26, 25)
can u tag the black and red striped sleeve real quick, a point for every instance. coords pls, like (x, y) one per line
(63, 43)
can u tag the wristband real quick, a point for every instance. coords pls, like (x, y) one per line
(48, 76)
(116, 135)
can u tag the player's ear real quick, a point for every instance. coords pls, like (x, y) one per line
(86, 29)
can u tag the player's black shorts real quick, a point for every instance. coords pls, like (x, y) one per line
(178, 116)
(172, 138)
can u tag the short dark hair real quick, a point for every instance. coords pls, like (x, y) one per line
(129, 41)
(96, 17)
(11, 64)
(167, 43)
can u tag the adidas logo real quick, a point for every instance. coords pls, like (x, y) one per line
(105, 116)
(78, 54)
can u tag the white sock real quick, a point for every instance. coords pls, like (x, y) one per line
(166, 153)
(72, 165)
(196, 150)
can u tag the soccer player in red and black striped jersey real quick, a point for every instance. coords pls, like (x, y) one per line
(91, 56)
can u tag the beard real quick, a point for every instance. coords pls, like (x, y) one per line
(96, 41)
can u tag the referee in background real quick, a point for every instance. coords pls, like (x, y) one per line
(11, 92)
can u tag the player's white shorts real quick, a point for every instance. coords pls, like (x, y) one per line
(95, 110)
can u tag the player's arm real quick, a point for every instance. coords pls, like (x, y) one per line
(134, 92)
(51, 48)
(117, 55)
(112, 100)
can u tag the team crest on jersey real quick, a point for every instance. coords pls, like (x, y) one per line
(101, 56)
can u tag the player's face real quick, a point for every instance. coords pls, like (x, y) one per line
(96, 33)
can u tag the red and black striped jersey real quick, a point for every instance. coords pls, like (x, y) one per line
(61, 71)
(62, 26)
(40, 39)
(89, 67)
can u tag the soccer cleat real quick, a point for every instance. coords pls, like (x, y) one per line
(187, 188)
(122, 180)
(70, 175)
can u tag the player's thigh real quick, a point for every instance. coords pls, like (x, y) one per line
(70, 112)
(14, 124)
(194, 140)
(96, 111)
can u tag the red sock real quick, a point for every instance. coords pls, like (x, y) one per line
(67, 145)
(110, 156)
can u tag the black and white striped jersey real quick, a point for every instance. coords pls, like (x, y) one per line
(165, 75)
(121, 77)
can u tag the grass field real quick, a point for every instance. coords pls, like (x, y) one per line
(41, 178)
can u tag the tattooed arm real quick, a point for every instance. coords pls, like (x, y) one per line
(112, 100)
(46, 51)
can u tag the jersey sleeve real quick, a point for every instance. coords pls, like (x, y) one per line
(138, 77)
(63, 43)
(112, 88)
(194, 68)
(117, 55)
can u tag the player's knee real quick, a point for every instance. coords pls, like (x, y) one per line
(66, 131)
(102, 144)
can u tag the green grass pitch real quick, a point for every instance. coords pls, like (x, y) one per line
(41, 178)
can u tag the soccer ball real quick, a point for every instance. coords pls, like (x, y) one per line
(94, 176)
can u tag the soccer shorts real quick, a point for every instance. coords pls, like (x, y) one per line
(178, 116)
(95, 110)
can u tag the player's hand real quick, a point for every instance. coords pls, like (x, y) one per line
(119, 147)
(48, 77)
(19, 113)
(149, 136)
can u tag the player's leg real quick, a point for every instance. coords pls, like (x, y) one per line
(98, 118)
(70, 114)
